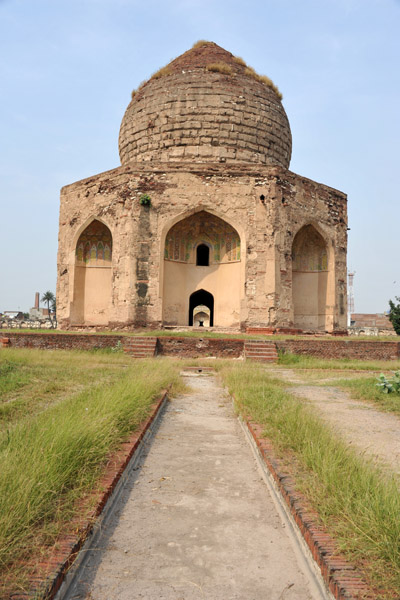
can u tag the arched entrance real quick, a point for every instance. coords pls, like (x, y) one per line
(309, 279)
(198, 300)
(92, 280)
(202, 252)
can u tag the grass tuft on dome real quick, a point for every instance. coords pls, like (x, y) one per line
(220, 67)
(240, 61)
(163, 72)
(201, 43)
(263, 79)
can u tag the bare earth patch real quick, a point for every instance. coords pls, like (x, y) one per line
(361, 424)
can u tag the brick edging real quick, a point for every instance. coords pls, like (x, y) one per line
(341, 577)
(68, 546)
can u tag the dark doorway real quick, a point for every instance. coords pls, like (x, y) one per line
(204, 298)
(202, 255)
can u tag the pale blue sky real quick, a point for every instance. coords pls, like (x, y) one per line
(67, 68)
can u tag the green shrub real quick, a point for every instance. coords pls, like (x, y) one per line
(387, 386)
(145, 200)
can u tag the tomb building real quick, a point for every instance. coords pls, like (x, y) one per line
(203, 224)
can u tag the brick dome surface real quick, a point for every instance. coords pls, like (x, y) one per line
(194, 114)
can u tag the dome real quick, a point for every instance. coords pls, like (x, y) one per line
(206, 106)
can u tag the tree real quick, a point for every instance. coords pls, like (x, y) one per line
(394, 314)
(49, 297)
(54, 310)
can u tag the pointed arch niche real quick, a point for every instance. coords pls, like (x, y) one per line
(310, 274)
(92, 281)
(202, 252)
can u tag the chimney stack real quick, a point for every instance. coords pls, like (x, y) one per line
(37, 300)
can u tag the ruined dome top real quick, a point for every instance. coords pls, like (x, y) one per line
(206, 106)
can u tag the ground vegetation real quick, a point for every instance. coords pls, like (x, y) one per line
(62, 415)
(358, 503)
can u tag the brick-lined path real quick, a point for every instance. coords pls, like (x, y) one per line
(198, 521)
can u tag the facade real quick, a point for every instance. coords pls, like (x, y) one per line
(203, 224)
(370, 324)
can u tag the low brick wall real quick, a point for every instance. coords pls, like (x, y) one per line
(60, 341)
(363, 350)
(186, 347)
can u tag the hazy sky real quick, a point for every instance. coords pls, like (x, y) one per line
(67, 68)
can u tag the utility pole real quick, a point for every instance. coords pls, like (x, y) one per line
(350, 297)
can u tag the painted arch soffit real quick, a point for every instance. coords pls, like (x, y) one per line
(94, 246)
(202, 228)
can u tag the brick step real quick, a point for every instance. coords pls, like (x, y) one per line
(263, 352)
(140, 347)
(260, 350)
(257, 348)
(260, 344)
(141, 341)
(251, 353)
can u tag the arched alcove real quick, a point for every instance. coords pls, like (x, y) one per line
(202, 251)
(309, 279)
(92, 281)
(201, 299)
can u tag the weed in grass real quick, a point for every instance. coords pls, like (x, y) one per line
(358, 504)
(389, 385)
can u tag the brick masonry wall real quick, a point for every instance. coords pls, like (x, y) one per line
(185, 347)
(58, 341)
(363, 350)
(195, 114)
(258, 201)
(198, 347)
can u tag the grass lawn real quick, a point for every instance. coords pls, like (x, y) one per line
(359, 387)
(299, 361)
(366, 389)
(62, 414)
(359, 504)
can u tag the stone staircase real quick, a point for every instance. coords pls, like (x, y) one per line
(260, 350)
(140, 346)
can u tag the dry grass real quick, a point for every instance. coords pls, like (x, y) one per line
(240, 61)
(201, 43)
(220, 67)
(263, 79)
(163, 72)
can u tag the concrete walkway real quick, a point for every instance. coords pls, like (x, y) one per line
(196, 520)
